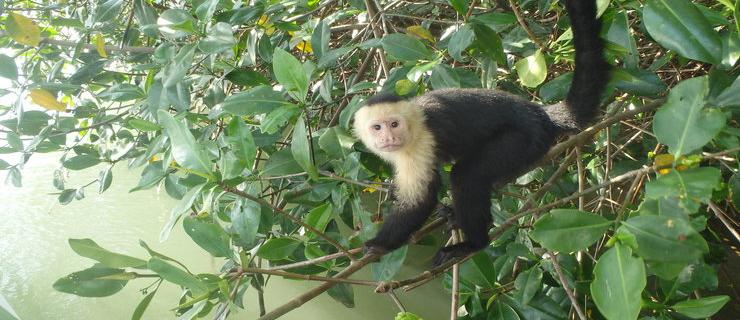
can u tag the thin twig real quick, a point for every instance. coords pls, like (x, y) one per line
(721, 215)
(566, 287)
(586, 134)
(524, 26)
(292, 275)
(287, 215)
(314, 261)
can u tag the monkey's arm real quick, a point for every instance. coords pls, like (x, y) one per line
(404, 219)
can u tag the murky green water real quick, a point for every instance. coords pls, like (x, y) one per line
(34, 252)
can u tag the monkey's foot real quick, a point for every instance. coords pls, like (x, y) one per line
(454, 251)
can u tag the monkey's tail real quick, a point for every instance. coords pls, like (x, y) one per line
(591, 69)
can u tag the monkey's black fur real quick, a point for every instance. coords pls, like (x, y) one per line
(493, 137)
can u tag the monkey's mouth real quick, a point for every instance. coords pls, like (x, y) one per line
(390, 147)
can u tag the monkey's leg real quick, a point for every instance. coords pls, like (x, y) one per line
(472, 181)
(404, 220)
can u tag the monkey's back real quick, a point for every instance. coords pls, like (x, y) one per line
(463, 119)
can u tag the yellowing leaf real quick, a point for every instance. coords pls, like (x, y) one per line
(663, 162)
(304, 46)
(421, 33)
(23, 30)
(100, 45)
(372, 187)
(46, 99)
(264, 23)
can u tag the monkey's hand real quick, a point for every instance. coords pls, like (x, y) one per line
(445, 254)
(375, 246)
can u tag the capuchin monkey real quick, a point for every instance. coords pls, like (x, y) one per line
(492, 137)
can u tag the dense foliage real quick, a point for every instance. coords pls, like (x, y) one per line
(242, 112)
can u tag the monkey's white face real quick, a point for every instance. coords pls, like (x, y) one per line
(386, 128)
(388, 134)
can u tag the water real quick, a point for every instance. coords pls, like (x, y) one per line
(34, 253)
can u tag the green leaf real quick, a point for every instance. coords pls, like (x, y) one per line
(289, 72)
(528, 284)
(122, 92)
(205, 10)
(532, 70)
(143, 125)
(31, 122)
(497, 21)
(389, 264)
(147, 18)
(248, 77)
(619, 33)
(14, 141)
(105, 179)
(89, 249)
(80, 162)
(177, 276)
(209, 236)
(336, 142)
(319, 218)
(734, 189)
(91, 282)
(278, 248)
(683, 123)
(730, 96)
(8, 69)
(490, 42)
(666, 239)
(185, 150)
(568, 230)
(4, 164)
(502, 311)
(679, 25)
(405, 48)
(257, 100)
(219, 38)
(444, 76)
(692, 187)
(556, 89)
(701, 308)
(176, 70)
(14, 177)
(320, 39)
(242, 142)
(343, 293)
(330, 57)
(245, 220)
(461, 6)
(150, 176)
(618, 282)
(300, 149)
(406, 316)
(638, 82)
(281, 163)
(141, 307)
(176, 23)
(278, 118)
(66, 196)
(108, 10)
(459, 41)
(183, 206)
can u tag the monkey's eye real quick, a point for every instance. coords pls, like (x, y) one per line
(394, 124)
(376, 127)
